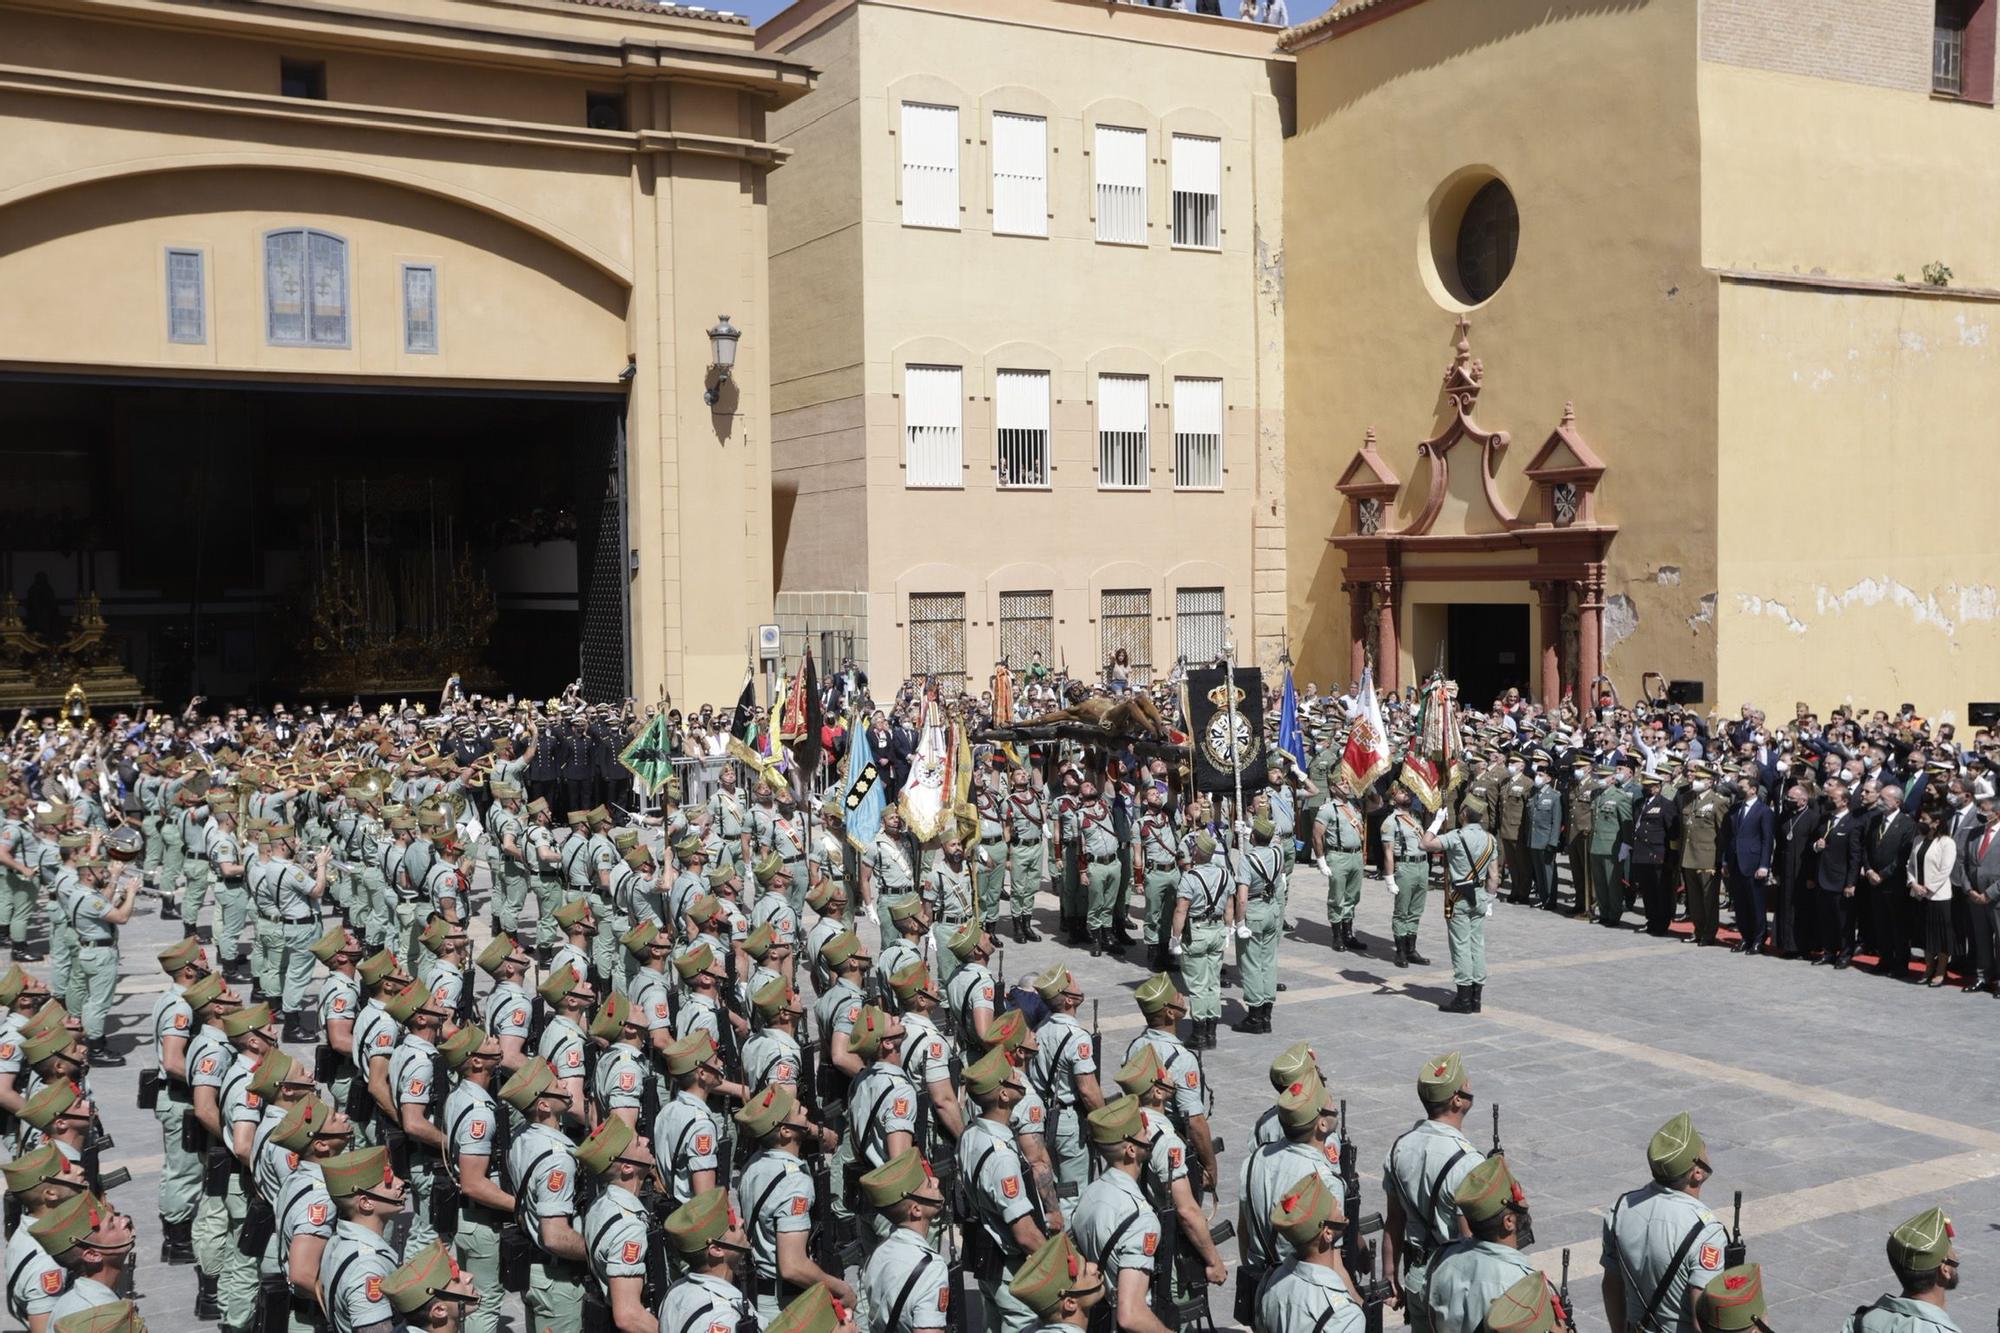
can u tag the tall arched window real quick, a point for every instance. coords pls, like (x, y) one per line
(305, 288)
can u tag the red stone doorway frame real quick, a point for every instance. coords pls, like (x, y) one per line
(1557, 546)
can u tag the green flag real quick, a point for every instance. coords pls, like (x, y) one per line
(650, 756)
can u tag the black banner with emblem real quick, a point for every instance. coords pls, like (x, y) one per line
(1215, 722)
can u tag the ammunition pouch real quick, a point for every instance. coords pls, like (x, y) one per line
(194, 1138)
(517, 1252)
(444, 1205)
(259, 1221)
(217, 1166)
(274, 1303)
(149, 1089)
(1248, 1280)
(398, 1144)
(330, 1066)
(985, 1260)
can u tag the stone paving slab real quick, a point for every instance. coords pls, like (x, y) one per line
(1840, 1103)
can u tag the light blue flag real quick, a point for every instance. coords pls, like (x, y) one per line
(1290, 739)
(862, 796)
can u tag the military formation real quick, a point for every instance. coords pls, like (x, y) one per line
(713, 1064)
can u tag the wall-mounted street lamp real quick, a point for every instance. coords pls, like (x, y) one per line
(722, 356)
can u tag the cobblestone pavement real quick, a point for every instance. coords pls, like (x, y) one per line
(1839, 1103)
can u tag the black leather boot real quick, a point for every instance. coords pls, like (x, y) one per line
(1461, 1003)
(1029, 935)
(206, 1307)
(1337, 943)
(1478, 996)
(1354, 945)
(177, 1241)
(1416, 958)
(169, 910)
(1096, 944)
(1402, 953)
(103, 1057)
(1020, 930)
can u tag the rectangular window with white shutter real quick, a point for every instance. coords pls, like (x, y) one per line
(1200, 626)
(1197, 434)
(1021, 428)
(1020, 174)
(930, 165)
(1121, 185)
(933, 427)
(1123, 447)
(1197, 164)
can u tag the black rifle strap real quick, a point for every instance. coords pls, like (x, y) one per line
(910, 1285)
(15, 1277)
(1436, 1192)
(1673, 1267)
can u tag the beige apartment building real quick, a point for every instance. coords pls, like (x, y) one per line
(1027, 336)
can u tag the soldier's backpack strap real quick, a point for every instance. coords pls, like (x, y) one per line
(1437, 1191)
(1118, 1234)
(326, 1292)
(757, 1209)
(14, 1278)
(1326, 1315)
(909, 1286)
(1667, 1276)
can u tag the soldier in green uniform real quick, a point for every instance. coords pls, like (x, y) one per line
(906, 1285)
(1205, 903)
(413, 1073)
(358, 1258)
(1308, 1293)
(948, 889)
(541, 1162)
(1526, 1307)
(709, 1247)
(1541, 836)
(1701, 851)
(1163, 1007)
(1409, 869)
(1306, 1116)
(1339, 836)
(1924, 1259)
(509, 841)
(472, 1133)
(1578, 799)
(60, 879)
(1467, 1275)
(1005, 1224)
(172, 1028)
(1472, 881)
(192, 826)
(1260, 920)
(970, 994)
(615, 1229)
(1113, 1226)
(38, 1182)
(1732, 1302)
(1483, 791)
(1661, 1243)
(1098, 847)
(1510, 826)
(1059, 1286)
(989, 855)
(1610, 837)
(781, 1200)
(99, 901)
(1420, 1178)
(429, 1293)
(1157, 850)
(689, 1129)
(17, 876)
(1064, 1074)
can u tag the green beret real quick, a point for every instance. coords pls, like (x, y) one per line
(410, 1001)
(1262, 827)
(838, 951)
(1047, 1275)
(912, 981)
(1115, 1121)
(768, 868)
(559, 983)
(1303, 1209)
(328, 945)
(12, 983)
(173, 958)
(719, 874)
(903, 907)
(638, 941)
(301, 1120)
(462, 1045)
(611, 1018)
(810, 1312)
(767, 1110)
(1524, 1307)
(53, 1041)
(250, 1018)
(572, 912)
(759, 941)
(1156, 993)
(989, 1071)
(349, 1173)
(606, 1144)
(963, 941)
(495, 955)
(1053, 984)
(1733, 1301)
(1486, 1190)
(1673, 1148)
(693, 962)
(202, 992)
(31, 1169)
(897, 1179)
(774, 997)
(110, 1317)
(1440, 1079)
(1303, 1102)
(69, 1223)
(423, 1275)
(872, 1026)
(1142, 1071)
(701, 1221)
(1921, 1244)
(269, 1074)
(690, 1053)
(1009, 1031)
(377, 967)
(530, 1081)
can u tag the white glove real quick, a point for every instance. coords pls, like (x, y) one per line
(985, 858)
(1242, 833)
(1488, 911)
(1437, 821)
(1242, 930)
(1174, 947)
(1323, 868)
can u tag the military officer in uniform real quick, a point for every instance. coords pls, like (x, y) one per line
(1579, 796)
(358, 1258)
(709, 1248)
(615, 1229)
(1472, 882)
(780, 1200)
(98, 901)
(1307, 1293)
(1610, 839)
(173, 1028)
(989, 853)
(1306, 1115)
(1163, 1007)
(888, 873)
(1006, 1224)
(1158, 852)
(970, 994)
(1702, 821)
(948, 890)
(1208, 899)
(1064, 1074)
(1409, 869)
(38, 1182)
(1420, 1179)
(1113, 1226)
(1339, 836)
(1511, 827)
(1260, 920)
(472, 1137)
(1924, 1259)
(1026, 855)
(541, 1163)
(1541, 829)
(907, 1285)
(1661, 1243)
(414, 1071)
(1058, 1286)
(1468, 1274)
(1655, 826)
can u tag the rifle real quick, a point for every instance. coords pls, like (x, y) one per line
(1357, 1252)
(1497, 1150)
(1734, 1251)
(1562, 1295)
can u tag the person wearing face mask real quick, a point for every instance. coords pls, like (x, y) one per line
(1702, 820)
(1469, 1274)
(430, 1293)
(1512, 831)
(615, 1231)
(1749, 836)
(1924, 1259)
(1060, 1286)
(712, 1249)
(1541, 828)
(93, 1242)
(1661, 1243)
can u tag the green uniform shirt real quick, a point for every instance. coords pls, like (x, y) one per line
(352, 1270)
(1899, 1314)
(688, 1138)
(908, 1285)
(1424, 1167)
(1296, 1298)
(1342, 823)
(778, 1197)
(1464, 1278)
(1266, 1175)
(614, 1236)
(1641, 1235)
(989, 1161)
(1115, 1228)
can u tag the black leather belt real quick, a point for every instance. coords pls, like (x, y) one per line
(1103, 860)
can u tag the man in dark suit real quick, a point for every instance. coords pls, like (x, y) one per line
(1888, 876)
(1965, 828)
(1839, 849)
(577, 770)
(1795, 905)
(1748, 838)
(1983, 889)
